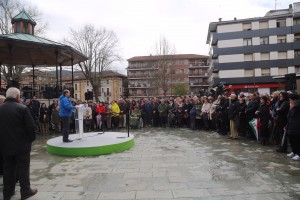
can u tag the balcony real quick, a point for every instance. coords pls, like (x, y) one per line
(194, 75)
(192, 66)
(106, 94)
(144, 85)
(197, 84)
(141, 68)
(142, 76)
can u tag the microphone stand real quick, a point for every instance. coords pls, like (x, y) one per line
(127, 113)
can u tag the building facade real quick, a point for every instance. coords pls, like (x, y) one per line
(248, 53)
(150, 76)
(112, 87)
(113, 84)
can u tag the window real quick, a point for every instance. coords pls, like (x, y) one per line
(75, 86)
(264, 40)
(297, 53)
(296, 21)
(247, 27)
(265, 56)
(75, 96)
(107, 90)
(265, 72)
(282, 55)
(282, 71)
(297, 37)
(297, 69)
(87, 83)
(247, 42)
(25, 26)
(280, 23)
(248, 73)
(18, 27)
(102, 89)
(248, 57)
(181, 71)
(281, 39)
(263, 25)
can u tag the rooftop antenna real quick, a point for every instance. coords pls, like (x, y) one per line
(275, 4)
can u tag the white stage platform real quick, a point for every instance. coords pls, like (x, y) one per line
(91, 144)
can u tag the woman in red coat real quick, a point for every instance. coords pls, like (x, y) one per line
(100, 110)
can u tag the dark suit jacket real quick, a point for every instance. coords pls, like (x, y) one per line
(17, 128)
(251, 108)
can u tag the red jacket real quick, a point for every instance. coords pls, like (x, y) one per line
(100, 109)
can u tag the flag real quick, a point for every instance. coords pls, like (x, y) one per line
(255, 125)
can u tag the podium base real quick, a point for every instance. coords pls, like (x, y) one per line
(91, 144)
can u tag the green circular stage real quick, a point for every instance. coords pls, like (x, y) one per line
(92, 144)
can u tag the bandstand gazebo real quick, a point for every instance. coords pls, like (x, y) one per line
(23, 48)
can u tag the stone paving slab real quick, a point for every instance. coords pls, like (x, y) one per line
(168, 163)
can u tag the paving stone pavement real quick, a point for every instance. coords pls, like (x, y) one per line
(168, 163)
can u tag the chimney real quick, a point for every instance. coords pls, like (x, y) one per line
(235, 19)
(220, 19)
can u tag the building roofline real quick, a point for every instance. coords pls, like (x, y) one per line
(213, 25)
(168, 57)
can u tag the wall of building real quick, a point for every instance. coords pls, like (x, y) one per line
(260, 47)
(142, 81)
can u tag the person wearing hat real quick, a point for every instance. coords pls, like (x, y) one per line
(263, 114)
(293, 126)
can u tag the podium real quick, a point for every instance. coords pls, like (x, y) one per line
(79, 117)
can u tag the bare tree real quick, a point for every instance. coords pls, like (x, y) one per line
(8, 9)
(102, 48)
(162, 76)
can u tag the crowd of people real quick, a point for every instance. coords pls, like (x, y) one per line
(277, 118)
(228, 114)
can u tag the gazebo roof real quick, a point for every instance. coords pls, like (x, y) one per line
(29, 49)
(23, 16)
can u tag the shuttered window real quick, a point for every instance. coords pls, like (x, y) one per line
(282, 55)
(263, 25)
(248, 57)
(265, 56)
(247, 26)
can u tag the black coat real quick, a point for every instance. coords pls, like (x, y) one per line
(264, 117)
(282, 113)
(294, 120)
(233, 109)
(251, 108)
(17, 128)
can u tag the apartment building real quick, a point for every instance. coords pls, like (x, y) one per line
(248, 53)
(190, 69)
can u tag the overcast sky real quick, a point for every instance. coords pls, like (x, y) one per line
(140, 23)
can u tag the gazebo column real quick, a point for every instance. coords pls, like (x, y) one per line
(72, 81)
(56, 64)
(60, 69)
(33, 84)
(10, 62)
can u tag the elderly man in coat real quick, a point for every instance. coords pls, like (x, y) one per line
(17, 134)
